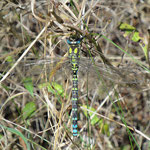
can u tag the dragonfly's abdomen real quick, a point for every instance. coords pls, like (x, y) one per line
(74, 104)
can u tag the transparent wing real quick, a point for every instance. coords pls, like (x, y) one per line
(97, 71)
(131, 74)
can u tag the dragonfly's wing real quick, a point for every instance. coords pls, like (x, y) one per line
(97, 71)
(131, 75)
(37, 69)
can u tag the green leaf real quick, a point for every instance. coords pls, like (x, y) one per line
(135, 37)
(125, 26)
(27, 82)
(46, 85)
(9, 59)
(1, 136)
(126, 147)
(28, 110)
(59, 88)
(106, 129)
(54, 88)
(95, 119)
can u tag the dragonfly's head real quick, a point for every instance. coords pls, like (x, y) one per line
(74, 40)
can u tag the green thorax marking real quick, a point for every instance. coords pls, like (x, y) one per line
(74, 52)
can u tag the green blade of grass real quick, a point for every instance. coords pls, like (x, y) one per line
(17, 133)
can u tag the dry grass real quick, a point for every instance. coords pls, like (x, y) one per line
(31, 31)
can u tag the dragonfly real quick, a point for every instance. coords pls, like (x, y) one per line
(128, 76)
(74, 55)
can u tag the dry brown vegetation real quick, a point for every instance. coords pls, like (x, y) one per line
(112, 82)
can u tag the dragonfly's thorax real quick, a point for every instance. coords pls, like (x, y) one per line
(74, 52)
(74, 55)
